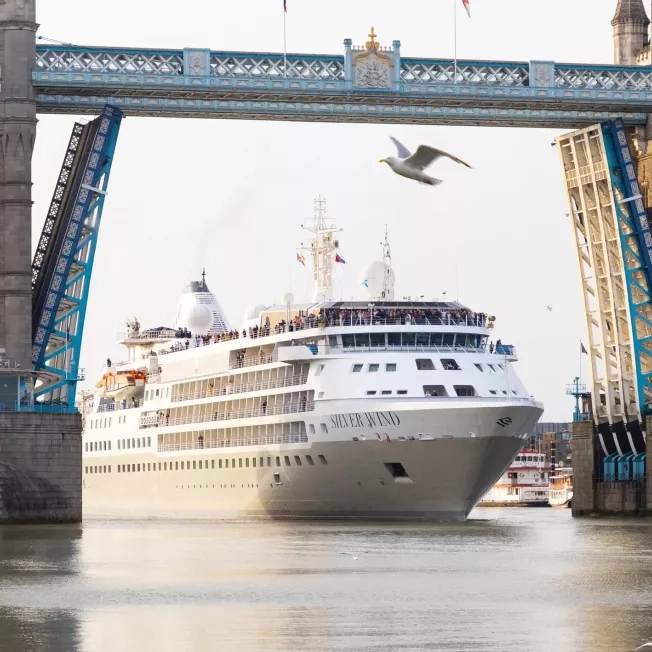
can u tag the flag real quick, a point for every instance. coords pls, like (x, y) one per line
(467, 6)
(582, 349)
(301, 259)
(339, 259)
(285, 6)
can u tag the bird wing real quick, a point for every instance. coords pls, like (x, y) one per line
(403, 151)
(425, 155)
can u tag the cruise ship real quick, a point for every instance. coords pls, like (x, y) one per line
(369, 409)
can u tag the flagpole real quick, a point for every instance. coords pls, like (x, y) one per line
(285, 47)
(455, 38)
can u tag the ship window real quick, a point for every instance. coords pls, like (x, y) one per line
(118, 444)
(377, 339)
(514, 392)
(269, 461)
(309, 460)
(434, 390)
(479, 366)
(348, 341)
(409, 339)
(286, 459)
(449, 364)
(425, 364)
(386, 392)
(199, 464)
(109, 443)
(401, 391)
(277, 478)
(492, 391)
(157, 393)
(501, 366)
(86, 447)
(311, 428)
(449, 339)
(324, 428)
(149, 441)
(356, 368)
(86, 470)
(182, 466)
(278, 461)
(362, 339)
(239, 463)
(212, 464)
(393, 339)
(464, 390)
(233, 463)
(332, 340)
(320, 368)
(194, 464)
(139, 466)
(320, 395)
(262, 461)
(138, 442)
(253, 462)
(396, 469)
(373, 368)
(247, 462)
(297, 460)
(491, 367)
(390, 366)
(504, 392)
(322, 459)
(133, 442)
(370, 392)
(148, 466)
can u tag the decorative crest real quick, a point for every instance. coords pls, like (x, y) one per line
(371, 44)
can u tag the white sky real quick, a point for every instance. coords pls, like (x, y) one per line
(231, 195)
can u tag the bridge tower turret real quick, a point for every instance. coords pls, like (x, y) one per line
(630, 29)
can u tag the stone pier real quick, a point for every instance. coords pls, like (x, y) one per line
(40, 467)
(584, 479)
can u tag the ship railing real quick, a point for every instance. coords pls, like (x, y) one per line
(208, 443)
(436, 348)
(147, 335)
(253, 361)
(289, 381)
(125, 404)
(161, 420)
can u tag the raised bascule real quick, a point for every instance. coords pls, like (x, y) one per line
(607, 171)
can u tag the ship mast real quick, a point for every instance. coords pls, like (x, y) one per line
(388, 281)
(322, 249)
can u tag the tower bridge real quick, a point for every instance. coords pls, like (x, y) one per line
(607, 171)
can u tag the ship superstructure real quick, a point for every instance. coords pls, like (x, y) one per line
(362, 409)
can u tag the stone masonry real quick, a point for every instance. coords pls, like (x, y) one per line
(17, 133)
(583, 502)
(40, 467)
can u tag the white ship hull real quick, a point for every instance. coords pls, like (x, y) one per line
(445, 475)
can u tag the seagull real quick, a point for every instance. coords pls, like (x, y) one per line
(355, 557)
(548, 308)
(412, 166)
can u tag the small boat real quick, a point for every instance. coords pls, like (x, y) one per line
(122, 384)
(524, 484)
(561, 489)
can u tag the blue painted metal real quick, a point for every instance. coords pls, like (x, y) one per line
(59, 329)
(625, 468)
(72, 79)
(636, 244)
(46, 407)
(609, 467)
(638, 466)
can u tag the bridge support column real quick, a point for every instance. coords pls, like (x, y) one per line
(583, 503)
(17, 133)
(648, 465)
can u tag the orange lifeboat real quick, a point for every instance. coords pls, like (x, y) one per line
(122, 384)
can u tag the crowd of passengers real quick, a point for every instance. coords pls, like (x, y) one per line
(335, 317)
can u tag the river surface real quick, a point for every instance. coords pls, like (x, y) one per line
(508, 579)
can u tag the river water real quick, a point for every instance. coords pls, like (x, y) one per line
(508, 579)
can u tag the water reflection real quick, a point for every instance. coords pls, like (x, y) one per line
(532, 580)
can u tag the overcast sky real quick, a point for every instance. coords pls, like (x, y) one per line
(231, 195)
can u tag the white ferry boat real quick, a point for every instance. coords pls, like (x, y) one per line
(377, 409)
(524, 484)
(561, 488)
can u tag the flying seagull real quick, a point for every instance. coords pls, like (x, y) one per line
(355, 557)
(412, 166)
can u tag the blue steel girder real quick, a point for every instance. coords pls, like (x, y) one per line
(636, 243)
(58, 337)
(202, 83)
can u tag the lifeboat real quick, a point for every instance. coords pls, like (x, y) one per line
(122, 384)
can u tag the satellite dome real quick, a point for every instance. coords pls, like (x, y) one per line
(378, 281)
(253, 312)
(197, 318)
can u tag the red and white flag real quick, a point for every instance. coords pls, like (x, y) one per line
(467, 6)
